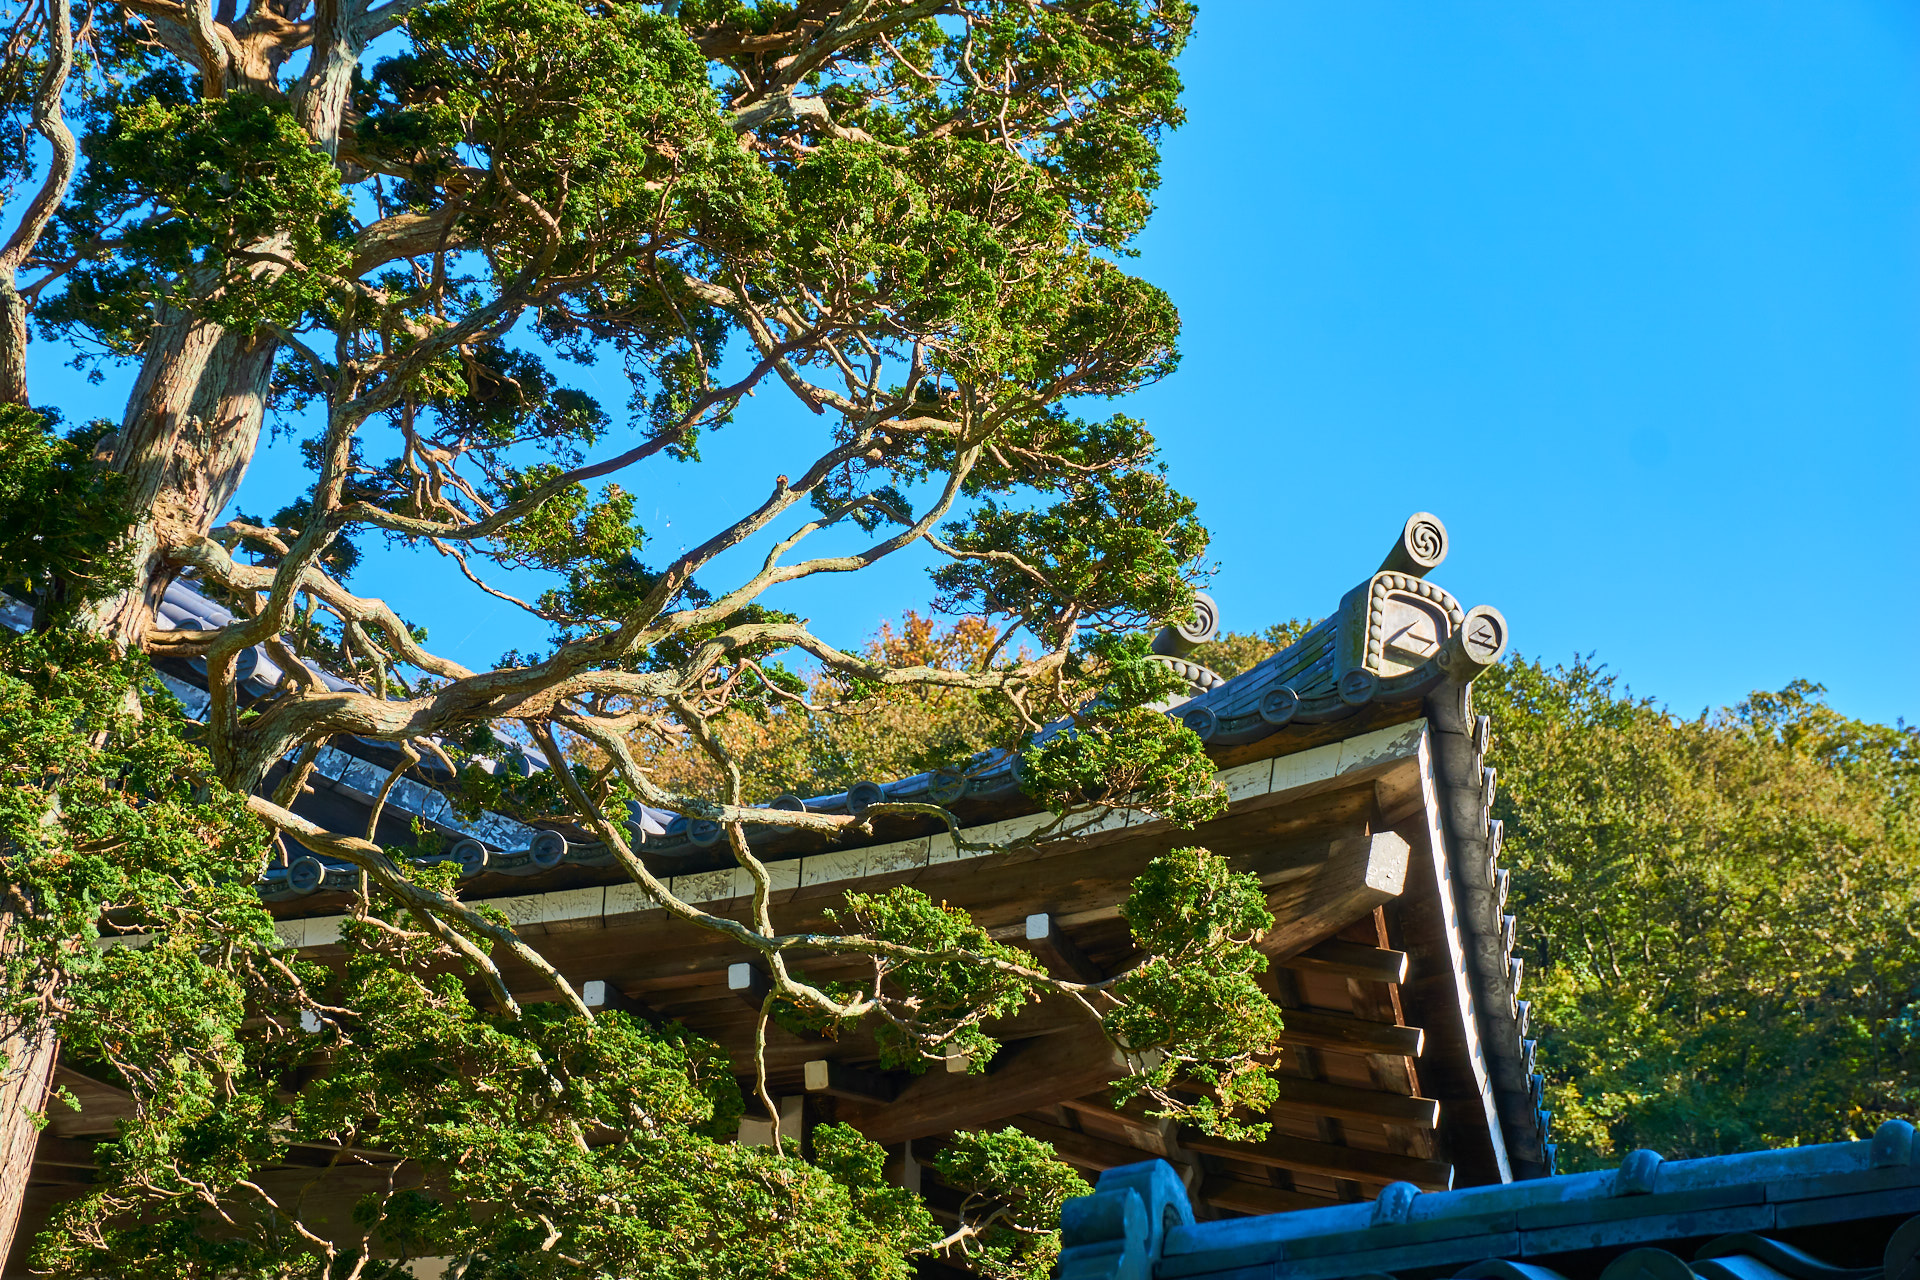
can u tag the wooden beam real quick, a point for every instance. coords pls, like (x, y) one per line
(1083, 1149)
(1327, 1159)
(1359, 873)
(102, 1106)
(63, 1153)
(1258, 1198)
(842, 1081)
(1031, 1074)
(1350, 960)
(1063, 959)
(1134, 1116)
(1318, 1098)
(1345, 1034)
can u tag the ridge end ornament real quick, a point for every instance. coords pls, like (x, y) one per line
(1420, 548)
(1482, 636)
(1178, 639)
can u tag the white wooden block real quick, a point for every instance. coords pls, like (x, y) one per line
(1395, 742)
(816, 1075)
(1305, 768)
(705, 886)
(1039, 926)
(593, 993)
(1005, 833)
(858, 864)
(629, 899)
(909, 1169)
(740, 975)
(941, 849)
(1248, 780)
(755, 1132)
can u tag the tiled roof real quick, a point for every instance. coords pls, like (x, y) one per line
(1397, 648)
(1729, 1217)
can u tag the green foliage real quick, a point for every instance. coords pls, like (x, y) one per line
(1013, 1189)
(227, 210)
(579, 111)
(110, 824)
(490, 1116)
(1119, 749)
(916, 226)
(61, 515)
(934, 1007)
(1722, 915)
(1193, 1011)
(488, 1113)
(1115, 549)
(1132, 757)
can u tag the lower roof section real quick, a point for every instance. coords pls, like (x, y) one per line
(1838, 1211)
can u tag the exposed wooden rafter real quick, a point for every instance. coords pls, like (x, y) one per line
(1328, 1160)
(1342, 1102)
(1351, 960)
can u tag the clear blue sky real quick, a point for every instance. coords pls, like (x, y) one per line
(1629, 294)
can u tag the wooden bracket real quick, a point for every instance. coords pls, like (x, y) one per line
(1034, 1074)
(1063, 959)
(598, 994)
(748, 981)
(1359, 874)
(1088, 1151)
(842, 1081)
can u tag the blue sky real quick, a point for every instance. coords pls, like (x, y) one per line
(1628, 294)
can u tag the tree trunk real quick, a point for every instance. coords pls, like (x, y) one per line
(192, 424)
(62, 150)
(28, 1051)
(13, 342)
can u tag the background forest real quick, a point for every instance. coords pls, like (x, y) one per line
(1719, 916)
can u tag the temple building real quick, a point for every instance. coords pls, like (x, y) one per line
(1358, 794)
(1409, 1141)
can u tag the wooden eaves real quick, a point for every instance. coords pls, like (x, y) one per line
(1358, 795)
